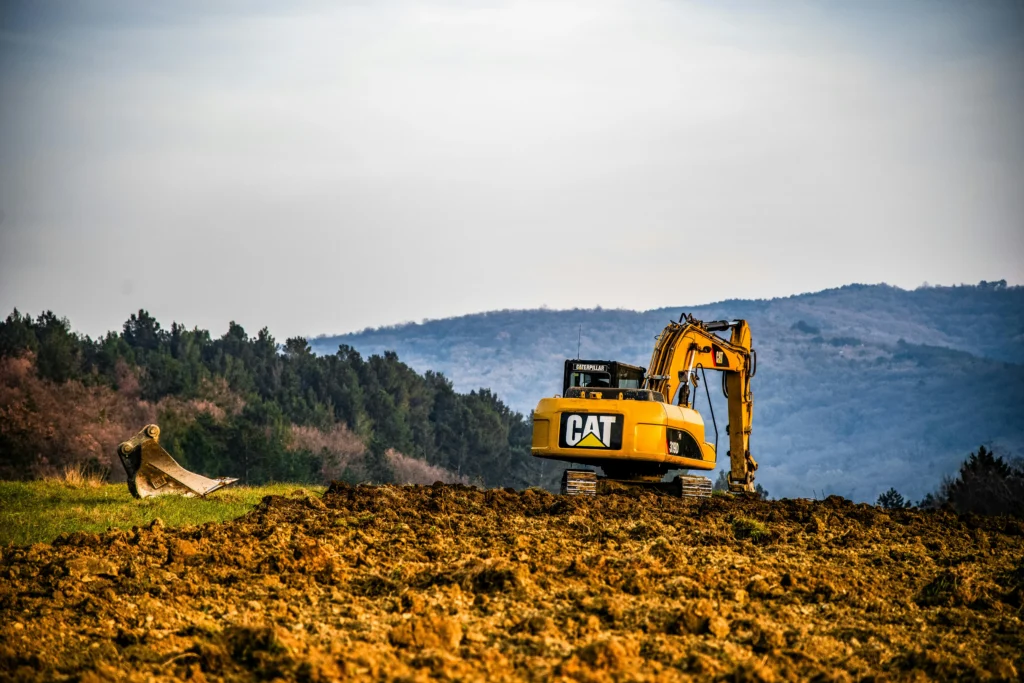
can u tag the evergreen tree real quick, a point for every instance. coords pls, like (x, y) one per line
(17, 335)
(58, 349)
(988, 485)
(892, 500)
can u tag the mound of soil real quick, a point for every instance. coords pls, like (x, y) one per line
(453, 582)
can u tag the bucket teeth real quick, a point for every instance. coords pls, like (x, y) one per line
(153, 472)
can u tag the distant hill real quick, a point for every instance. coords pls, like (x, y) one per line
(859, 388)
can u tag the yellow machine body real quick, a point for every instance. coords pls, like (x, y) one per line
(644, 440)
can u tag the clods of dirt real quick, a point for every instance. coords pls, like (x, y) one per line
(452, 582)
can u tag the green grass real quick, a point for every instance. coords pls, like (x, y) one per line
(743, 527)
(39, 511)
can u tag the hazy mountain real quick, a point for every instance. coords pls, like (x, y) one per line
(858, 388)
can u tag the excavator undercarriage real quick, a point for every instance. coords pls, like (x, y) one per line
(587, 482)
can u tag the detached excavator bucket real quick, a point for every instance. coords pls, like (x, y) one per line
(153, 472)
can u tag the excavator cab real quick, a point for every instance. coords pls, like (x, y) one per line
(602, 374)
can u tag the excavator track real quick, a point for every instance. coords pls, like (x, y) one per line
(693, 486)
(587, 483)
(579, 483)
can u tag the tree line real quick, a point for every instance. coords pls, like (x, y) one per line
(274, 391)
(986, 484)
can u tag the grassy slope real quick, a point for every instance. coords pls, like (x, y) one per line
(39, 511)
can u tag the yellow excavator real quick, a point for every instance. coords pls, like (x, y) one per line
(638, 424)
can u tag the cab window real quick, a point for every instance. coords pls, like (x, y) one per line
(590, 379)
(629, 379)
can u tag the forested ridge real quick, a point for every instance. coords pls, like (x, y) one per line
(243, 406)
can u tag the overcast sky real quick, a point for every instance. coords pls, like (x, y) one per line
(323, 167)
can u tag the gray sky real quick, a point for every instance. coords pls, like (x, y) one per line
(322, 167)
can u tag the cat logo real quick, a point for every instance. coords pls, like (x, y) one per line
(590, 430)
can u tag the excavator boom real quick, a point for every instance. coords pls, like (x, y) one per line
(688, 345)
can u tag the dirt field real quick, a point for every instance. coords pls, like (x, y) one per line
(452, 582)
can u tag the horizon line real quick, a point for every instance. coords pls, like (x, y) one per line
(543, 308)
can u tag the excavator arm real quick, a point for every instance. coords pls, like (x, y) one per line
(684, 347)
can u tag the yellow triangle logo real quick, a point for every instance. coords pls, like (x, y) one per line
(590, 441)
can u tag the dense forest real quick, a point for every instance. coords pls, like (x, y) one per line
(244, 406)
(858, 388)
